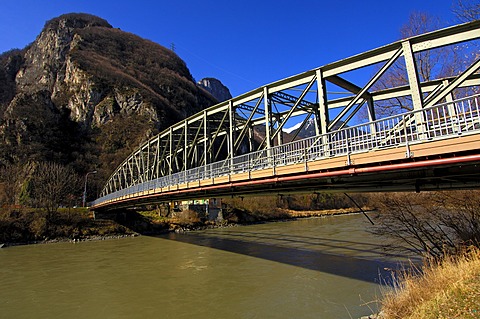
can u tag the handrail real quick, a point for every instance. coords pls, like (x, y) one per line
(441, 121)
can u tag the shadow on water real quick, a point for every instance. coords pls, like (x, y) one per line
(318, 259)
(375, 250)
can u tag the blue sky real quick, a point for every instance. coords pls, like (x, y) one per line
(245, 44)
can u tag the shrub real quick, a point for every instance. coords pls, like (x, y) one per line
(187, 217)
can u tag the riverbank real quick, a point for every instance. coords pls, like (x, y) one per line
(151, 223)
(447, 288)
(29, 226)
(23, 227)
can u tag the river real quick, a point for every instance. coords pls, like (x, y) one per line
(311, 268)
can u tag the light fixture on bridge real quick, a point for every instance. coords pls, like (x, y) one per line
(85, 187)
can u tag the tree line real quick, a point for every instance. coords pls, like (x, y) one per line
(45, 185)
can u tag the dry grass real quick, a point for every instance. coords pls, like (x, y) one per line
(446, 289)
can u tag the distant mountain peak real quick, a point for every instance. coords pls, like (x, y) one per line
(215, 88)
(306, 131)
(293, 128)
(76, 21)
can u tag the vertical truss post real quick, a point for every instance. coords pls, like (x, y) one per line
(139, 165)
(316, 119)
(185, 146)
(280, 133)
(268, 115)
(148, 173)
(231, 146)
(322, 121)
(372, 117)
(205, 139)
(195, 155)
(157, 166)
(414, 82)
(250, 138)
(170, 152)
(452, 111)
(321, 114)
(449, 100)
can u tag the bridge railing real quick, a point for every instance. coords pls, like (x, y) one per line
(437, 122)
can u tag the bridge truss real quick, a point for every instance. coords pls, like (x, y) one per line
(343, 105)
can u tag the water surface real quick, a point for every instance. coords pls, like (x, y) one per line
(312, 268)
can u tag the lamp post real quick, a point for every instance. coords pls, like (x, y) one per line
(85, 188)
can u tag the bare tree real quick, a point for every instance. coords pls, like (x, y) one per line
(53, 185)
(430, 64)
(467, 10)
(12, 179)
(434, 224)
(461, 214)
(433, 64)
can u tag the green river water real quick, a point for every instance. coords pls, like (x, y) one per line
(310, 268)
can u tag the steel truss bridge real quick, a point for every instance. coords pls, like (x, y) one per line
(239, 147)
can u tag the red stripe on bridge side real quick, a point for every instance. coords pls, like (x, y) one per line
(318, 175)
(350, 171)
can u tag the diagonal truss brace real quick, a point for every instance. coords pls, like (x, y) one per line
(360, 94)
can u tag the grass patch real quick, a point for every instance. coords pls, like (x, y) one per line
(449, 288)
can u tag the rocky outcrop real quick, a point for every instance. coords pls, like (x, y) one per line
(96, 72)
(46, 59)
(58, 94)
(215, 88)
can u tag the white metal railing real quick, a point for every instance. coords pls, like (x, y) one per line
(433, 123)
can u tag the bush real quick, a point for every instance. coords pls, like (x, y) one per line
(187, 217)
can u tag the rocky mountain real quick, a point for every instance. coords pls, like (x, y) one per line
(307, 130)
(216, 88)
(86, 94)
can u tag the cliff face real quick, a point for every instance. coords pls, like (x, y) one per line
(83, 88)
(96, 72)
